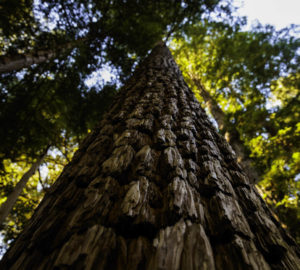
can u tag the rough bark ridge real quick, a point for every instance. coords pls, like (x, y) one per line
(232, 137)
(154, 187)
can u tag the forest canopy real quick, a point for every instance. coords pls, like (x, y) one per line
(53, 58)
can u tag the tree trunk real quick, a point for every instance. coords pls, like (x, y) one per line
(211, 104)
(231, 136)
(9, 63)
(153, 187)
(7, 206)
(17, 62)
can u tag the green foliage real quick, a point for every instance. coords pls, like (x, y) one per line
(279, 155)
(17, 24)
(36, 110)
(26, 202)
(254, 77)
(45, 100)
(35, 189)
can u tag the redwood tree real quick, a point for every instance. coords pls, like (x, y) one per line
(153, 187)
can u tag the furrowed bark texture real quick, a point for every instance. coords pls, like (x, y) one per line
(232, 137)
(154, 187)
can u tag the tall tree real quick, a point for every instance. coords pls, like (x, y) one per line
(46, 60)
(153, 187)
(7, 206)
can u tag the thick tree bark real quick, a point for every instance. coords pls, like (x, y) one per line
(154, 187)
(231, 136)
(7, 206)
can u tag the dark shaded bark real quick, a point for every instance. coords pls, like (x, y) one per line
(154, 187)
(231, 136)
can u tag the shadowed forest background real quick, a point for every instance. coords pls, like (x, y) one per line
(54, 56)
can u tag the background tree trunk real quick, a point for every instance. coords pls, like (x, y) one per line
(153, 187)
(231, 136)
(8, 205)
(17, 62)
(9, 63)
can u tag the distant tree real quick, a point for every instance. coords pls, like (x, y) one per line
(7, 206)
